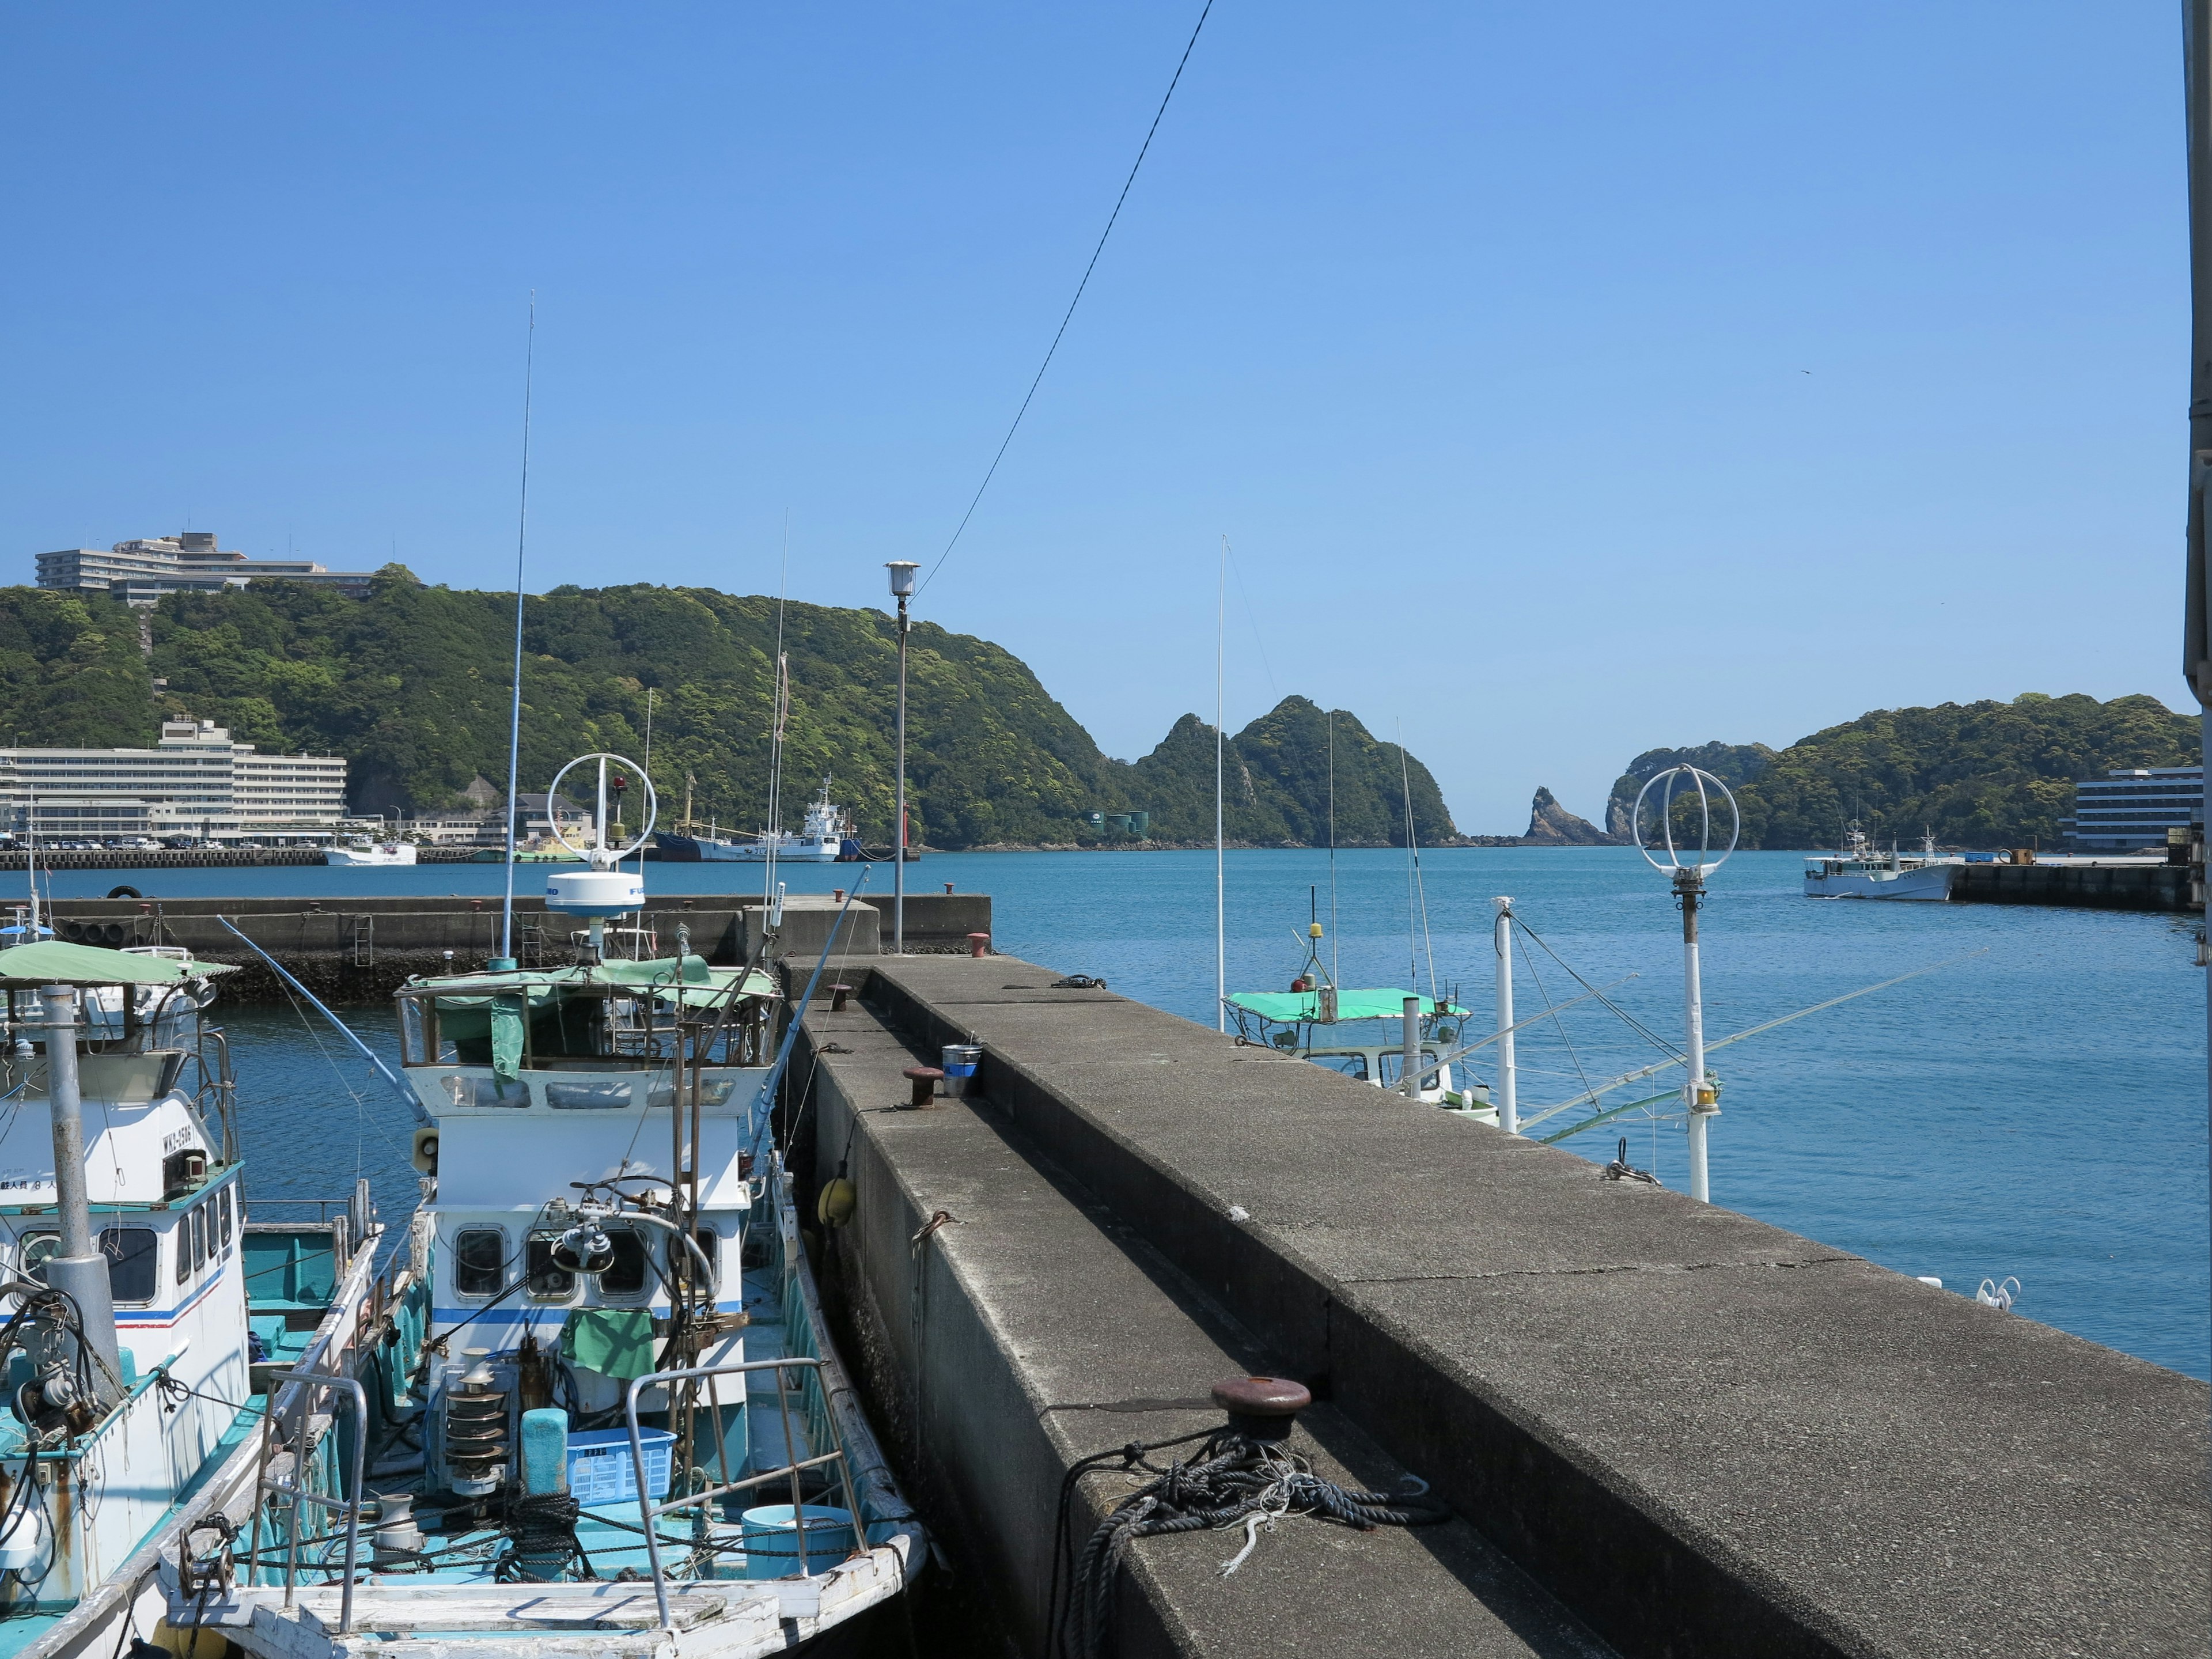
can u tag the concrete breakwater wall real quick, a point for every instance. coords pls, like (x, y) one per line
(1669, 1429)
(2086, 886)
(362, 950)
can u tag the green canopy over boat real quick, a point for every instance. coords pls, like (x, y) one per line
(1294, 1007)
(56, 961)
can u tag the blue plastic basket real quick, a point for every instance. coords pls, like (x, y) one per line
(600, 1470)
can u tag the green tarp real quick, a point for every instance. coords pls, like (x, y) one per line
(507, 1037)
(664, 974)
(56, 961)
(612, 1341)
(1288, 1007)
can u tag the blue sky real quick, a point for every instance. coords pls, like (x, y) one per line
(1569, 379)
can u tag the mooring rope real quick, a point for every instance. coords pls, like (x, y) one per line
(1231, 1481)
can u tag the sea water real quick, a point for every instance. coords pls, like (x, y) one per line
(2033, 1108)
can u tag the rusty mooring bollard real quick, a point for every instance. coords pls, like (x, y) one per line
(1261, 1407)
(837, 995)
(979, 944)
(925, 1079)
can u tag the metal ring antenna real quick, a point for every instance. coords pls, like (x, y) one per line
(599, 853)
(1683, 777)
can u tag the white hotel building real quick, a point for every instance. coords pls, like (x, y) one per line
(195, 782)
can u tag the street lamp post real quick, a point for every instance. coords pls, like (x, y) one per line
(902, 590)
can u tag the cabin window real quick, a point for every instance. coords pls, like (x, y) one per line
(547, 1282)
(484, 1091)
(222, 1204)
(1352, 1065)
(134, 1255)
(37, 1248)
(708, 1246)
(479, 1261)
(598, 1095)
(625, 1274)
(199, 1236)
(411, 1050)
(183, 1234)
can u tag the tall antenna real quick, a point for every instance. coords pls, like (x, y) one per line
(514, 709)
(648, 765)
(1416, 889)
(1332, 847)
(779, 708)
(1220, 703)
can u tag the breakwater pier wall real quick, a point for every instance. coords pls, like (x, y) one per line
(362, 950)
(1665, 1429)
(2137, 885)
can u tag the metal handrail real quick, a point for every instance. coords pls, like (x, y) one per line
(648, 1511)
(303, 1403)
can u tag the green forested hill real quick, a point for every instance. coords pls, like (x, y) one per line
(1981, 774)
(411, 685)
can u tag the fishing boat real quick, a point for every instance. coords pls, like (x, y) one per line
(151, 1320)
(632, 1433)
(1361, 1034)
(366, 854)
(1860, 870)
(820, 840)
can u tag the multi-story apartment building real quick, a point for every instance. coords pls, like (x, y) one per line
(194, 782)
(140, 572)
(2126, 810)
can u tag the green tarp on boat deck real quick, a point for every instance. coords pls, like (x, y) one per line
(1290, 1007)
(56, 961)
(612, 1341)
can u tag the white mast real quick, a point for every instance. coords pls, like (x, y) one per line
(515, 710)
(1698, 1094)
(1220, 703)
(1508, 1105)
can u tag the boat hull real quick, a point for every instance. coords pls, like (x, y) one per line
(365, 858)
(707, 849)
(1931, 883)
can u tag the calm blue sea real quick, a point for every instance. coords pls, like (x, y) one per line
(2037, 1110)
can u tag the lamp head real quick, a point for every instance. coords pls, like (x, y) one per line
(901, 577)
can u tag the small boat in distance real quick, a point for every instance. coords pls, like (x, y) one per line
(363, 853)
(1861, 871)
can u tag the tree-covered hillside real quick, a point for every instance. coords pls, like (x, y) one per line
(411, 685)
(1982, 774)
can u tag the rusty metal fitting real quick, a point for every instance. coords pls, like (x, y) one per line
(979, 944)
(1262, 1407)
(837, 995)
(925, 1079)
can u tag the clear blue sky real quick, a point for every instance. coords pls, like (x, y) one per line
(1483, 331)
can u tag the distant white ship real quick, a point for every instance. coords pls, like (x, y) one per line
(362, 854)
(820, 840)
(1860, 871)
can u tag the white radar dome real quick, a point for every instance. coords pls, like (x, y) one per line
(595, 892)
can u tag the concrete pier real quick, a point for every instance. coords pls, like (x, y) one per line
(362, 950)
(1669, 1429)
(2140, 885)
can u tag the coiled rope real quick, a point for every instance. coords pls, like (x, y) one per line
(544, 1527)
(1231, 1480)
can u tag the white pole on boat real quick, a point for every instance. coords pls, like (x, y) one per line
(1698, 1094)
(1409, 1046)
(1508, 1105)
(902, 590)
(2196, 64)
(514, 708)
(1221, 889)
(76, 1267)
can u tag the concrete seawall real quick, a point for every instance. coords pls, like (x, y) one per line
(362, 950)
(2086, 886)
(1696, 1433)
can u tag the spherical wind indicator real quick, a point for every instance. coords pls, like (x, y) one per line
(1700, 1093)
(605, 889)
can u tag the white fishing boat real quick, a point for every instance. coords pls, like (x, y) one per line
(820, 839)
(366, 854)
(632, 1433)
(151, 1319)
(1861, 871)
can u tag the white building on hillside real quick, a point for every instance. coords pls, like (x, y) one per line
(2130, 809)
(194, 782)
(140, 572)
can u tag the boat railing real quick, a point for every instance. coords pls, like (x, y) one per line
(293, 1395)
(805, 1369)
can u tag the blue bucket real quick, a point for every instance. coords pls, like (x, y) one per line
(961, 1060)
(771, 1536)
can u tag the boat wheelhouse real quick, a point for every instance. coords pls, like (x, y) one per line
(1361, 1034)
